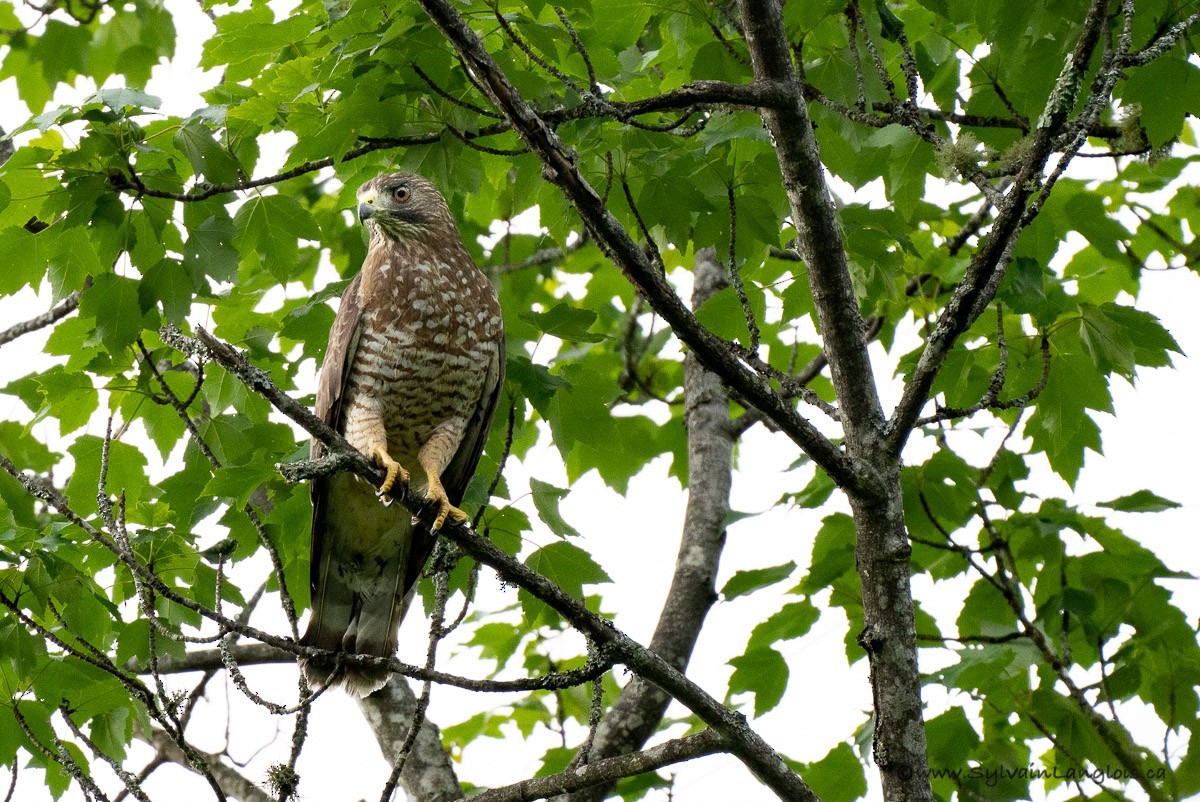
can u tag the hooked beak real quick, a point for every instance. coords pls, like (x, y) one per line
(366, 207)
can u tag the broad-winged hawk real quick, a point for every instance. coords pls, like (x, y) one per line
(411, 377)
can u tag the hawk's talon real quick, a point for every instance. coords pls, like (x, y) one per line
(394, 470)
(447, 510)
(436, 493)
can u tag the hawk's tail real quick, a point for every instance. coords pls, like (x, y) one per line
(358, 681)
(356, 628)
(359, 616)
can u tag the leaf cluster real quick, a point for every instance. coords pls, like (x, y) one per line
(141, 217)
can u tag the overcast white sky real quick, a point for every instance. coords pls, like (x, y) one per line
(1150, 442)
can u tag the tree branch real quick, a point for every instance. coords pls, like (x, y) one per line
(987, 266)
(843, 330)
(882, 550)
(1114, 736)
(252, 654)
(607, 771)
(544, 256)
(639, 709)
(743, 742)
(990, 399)
(1161, 44)
(41, 489)
(689, 98)
(428, 774)
(230, 779)
(559, 167)
(64, 308)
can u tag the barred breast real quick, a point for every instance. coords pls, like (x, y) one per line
(428, 345)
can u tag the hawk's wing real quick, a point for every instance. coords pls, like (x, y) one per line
(331, 388)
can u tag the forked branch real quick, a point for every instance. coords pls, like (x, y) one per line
(740, 740)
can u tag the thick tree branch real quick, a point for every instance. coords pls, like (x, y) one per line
(881, 546)
(843, 330)
(637, 712)
(742, 741)
(607, 771)
(428, 774)
(559, 167)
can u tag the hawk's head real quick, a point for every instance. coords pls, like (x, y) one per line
(404, 206)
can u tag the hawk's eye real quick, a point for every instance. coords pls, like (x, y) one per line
(401, 194)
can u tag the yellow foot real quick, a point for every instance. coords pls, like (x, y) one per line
(445, 509)
(393, 468)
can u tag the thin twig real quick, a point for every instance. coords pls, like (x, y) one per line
(651, 246)
(593, 84)
(735, 274)
(129, 780)
(463, 104)
(285, 597)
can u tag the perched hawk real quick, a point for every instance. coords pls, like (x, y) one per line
(411, 376)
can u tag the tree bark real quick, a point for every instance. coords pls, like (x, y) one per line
(428, 774)
(230, 779)
(639, 709)
(881, 548)
(843, 331)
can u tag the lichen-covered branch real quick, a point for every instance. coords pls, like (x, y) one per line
(742, 741)
(607, 771)
(559, 166)
(638, 710)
